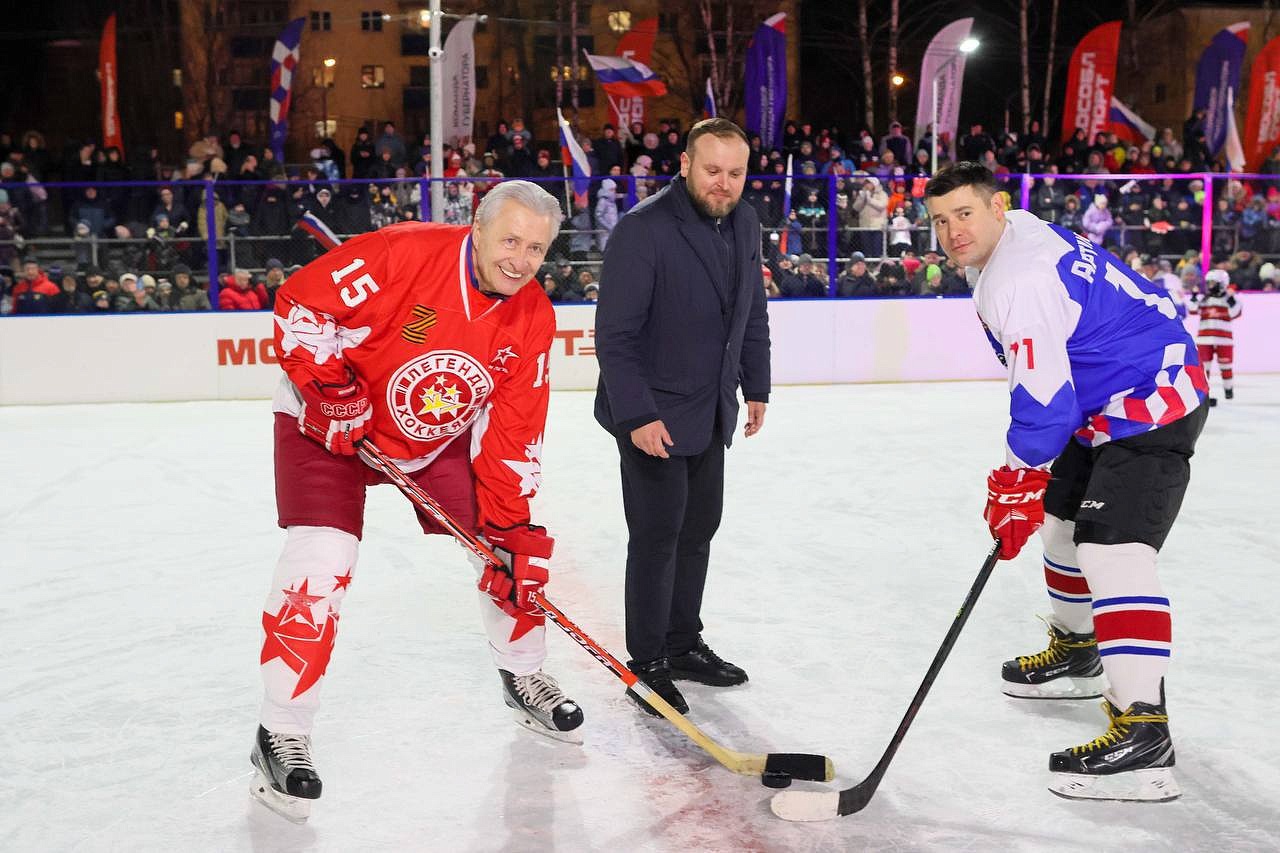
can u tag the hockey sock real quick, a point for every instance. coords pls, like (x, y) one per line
(1130, 618)
(1224, 364)
(523, 656)
(1068, 590)
(300, 621)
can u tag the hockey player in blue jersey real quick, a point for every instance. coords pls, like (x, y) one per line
(1107, 398)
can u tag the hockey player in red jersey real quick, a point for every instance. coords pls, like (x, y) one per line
(432, 341)
(1217, 308)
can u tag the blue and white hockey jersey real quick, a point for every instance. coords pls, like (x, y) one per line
(1093, 349)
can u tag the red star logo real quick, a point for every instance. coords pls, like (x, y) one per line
(298, 605)
(342, 581)
(525, 621)
(306, 652)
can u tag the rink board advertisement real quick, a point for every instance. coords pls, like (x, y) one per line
(228, 356)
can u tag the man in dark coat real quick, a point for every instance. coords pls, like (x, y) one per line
(681, 324)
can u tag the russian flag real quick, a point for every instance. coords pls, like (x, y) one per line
(1128, 125)
(571, 154)
(322, 233)
(626, 78)
(709, 103)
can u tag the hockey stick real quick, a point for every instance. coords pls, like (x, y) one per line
(823, 805)
(796, 765)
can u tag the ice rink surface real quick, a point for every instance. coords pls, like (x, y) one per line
(140, 540)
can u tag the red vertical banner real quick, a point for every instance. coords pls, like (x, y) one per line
(1090, 81)
(636, 44)
(1262, 122)
(111, 137)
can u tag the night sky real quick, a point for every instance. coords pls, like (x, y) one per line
(831, 79)
(832, 69)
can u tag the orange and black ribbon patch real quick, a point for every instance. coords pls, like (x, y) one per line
(415, 331)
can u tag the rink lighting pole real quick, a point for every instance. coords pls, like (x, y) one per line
(965, 48)
(436, 56)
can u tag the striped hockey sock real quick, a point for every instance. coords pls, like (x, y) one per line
(1130, 618)
(1068, 590)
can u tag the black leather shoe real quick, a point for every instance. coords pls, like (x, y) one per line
(706, 667)
(656, 674)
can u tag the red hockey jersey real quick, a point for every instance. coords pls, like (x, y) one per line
(439, 357)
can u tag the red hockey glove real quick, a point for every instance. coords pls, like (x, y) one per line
(525, 552)
(336, 415)
(1015, 506)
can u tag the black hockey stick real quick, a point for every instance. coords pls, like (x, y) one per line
(795, 765)
(823, 805)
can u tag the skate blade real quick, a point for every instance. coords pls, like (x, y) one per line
(294, 809)
(533, 725)
(1153, 785)
(1091, 687)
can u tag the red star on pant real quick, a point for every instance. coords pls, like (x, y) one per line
(298, 601)
(305, 652)
(342, 581)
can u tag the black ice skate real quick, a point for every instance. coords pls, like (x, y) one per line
(1069, 669)
(1228, 393)
(1132, 761)
(286, 780)
(540, 706)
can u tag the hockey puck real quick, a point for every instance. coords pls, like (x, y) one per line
(775, 779)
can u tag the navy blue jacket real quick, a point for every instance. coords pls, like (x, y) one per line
(674, 335)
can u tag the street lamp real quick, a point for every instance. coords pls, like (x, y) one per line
(326, 83)
(896, 79)
(966, 47)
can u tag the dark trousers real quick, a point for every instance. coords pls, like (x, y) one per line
(673, 508)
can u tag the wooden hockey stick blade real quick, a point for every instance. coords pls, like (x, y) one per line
(816, 768)
(824, 805)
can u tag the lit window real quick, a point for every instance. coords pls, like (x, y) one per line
(372, 77)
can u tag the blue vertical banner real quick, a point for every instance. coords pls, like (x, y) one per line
(765, 95)
(1218, 72)
(284, 64)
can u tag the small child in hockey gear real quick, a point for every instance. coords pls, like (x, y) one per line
(1107, 399)
(1217, 308)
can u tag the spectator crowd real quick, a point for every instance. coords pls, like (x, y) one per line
(136, 235)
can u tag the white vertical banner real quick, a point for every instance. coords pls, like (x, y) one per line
(944, 50)
(459, 73)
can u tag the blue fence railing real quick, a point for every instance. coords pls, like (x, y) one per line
(830, 221)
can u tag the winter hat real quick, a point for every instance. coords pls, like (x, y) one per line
(147, 281)
(1100, 200)
(932, 271)
(1267, 272)
(608, 185)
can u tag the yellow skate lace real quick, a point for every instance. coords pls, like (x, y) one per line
(1057, 651)
(1120, 723)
